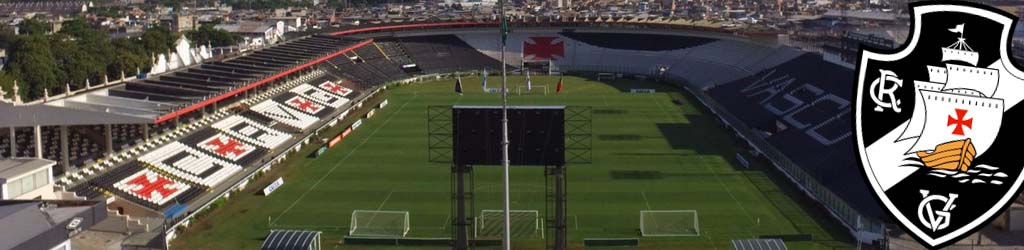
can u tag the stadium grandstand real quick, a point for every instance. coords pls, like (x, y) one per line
(169, 143)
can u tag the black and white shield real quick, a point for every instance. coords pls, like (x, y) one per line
(938, 123)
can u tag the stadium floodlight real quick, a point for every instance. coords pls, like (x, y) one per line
(379, 223)
(660, 223)
(523, 223)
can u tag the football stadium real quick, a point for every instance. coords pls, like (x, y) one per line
(665, 136)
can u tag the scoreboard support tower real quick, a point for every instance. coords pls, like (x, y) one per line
(466, 137)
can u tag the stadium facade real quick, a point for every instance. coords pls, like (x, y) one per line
(169, 145)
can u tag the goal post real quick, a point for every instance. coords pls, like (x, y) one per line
(662, 223)
(522, 89)
(524, 223)
(379, 223)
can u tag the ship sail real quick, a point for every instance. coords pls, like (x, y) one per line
(950, 54)
(936, 74)
(916, 125)
(917, 119)
(982, 80)
(951, 117)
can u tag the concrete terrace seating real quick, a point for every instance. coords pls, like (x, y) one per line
(436, 54)
(727, 52)
(651, 42)
(395, 52)
(816, 135)
(707, 64)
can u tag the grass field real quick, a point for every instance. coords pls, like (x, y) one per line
(650, 152)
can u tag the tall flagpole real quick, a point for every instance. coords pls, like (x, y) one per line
(504, 126)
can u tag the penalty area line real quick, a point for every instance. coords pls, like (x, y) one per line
(337, 164)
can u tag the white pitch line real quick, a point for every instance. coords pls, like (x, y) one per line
(444, 224)
(716, 175)
(337, 164)
(385, 199)
(644, 194)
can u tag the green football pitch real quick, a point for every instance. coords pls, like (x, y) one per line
(657, 151)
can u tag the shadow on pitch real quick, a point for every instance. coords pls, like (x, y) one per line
(699, 135)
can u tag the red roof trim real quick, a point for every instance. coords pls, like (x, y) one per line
(220, 97)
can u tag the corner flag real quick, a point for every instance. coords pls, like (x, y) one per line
(504, 28)
(558, 88)
(484, 76)
(528, 85)
(458, 84)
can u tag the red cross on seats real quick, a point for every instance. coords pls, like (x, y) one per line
(148, 187)
(304, 105)
(959, 121)
(543, 48)
(334, 88)
(223, 148)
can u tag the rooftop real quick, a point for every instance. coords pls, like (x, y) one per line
(18, 166)
(289, 240)
(24, 221)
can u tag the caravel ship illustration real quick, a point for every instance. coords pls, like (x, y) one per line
(956, 100)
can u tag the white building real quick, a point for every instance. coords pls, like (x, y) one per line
(257, 33)
(26, 179)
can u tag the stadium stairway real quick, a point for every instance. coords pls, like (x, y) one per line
(129, 225)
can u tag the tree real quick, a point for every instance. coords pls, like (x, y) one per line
(158, 39)
(7, 84)
(33, 62)
(77, 28)
(31, 26)
(215, 37)
(82, 52)
(74, 64)
(40, 61)
(129, 55)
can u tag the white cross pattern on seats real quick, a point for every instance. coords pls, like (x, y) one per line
(319, 95)
(226, 147)
(191, 165)
(251, 132)
(285, 114)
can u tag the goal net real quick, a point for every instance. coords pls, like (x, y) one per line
(379, 223)
(669, 223)
(524, 223)
(605, 76)
(522, 89)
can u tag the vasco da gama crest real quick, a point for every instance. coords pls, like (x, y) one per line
(938, 122)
